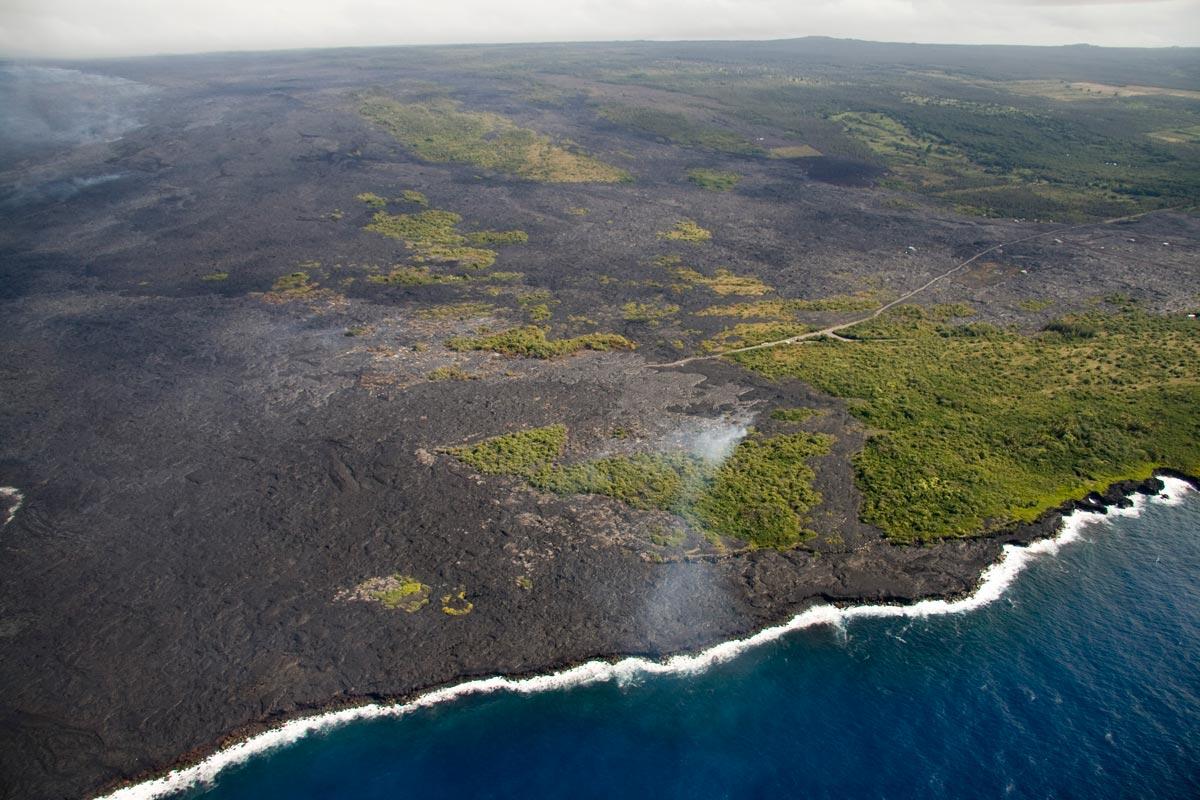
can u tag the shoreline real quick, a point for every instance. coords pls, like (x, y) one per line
(1020, 546)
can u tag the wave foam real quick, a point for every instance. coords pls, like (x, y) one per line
(993, 582)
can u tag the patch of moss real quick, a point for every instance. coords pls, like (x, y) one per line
(440, 131)
(413, 196)
(456, 603)
(525, 582)
(216, 277)
(687, 231)
(531, 341)
(401, 592)
(714, 180)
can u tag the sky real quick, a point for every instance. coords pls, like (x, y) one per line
(102, 28)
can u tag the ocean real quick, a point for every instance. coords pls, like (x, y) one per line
(1079, 677)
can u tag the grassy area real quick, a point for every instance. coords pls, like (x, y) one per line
(434, 238)
(371, 199)
(714, 180)
(440, 131)
(760, 495)
(745, 334)
(687, 231)
(498, 237)
(976, 428)
(424, 229)
(531, 341)
(648, 312)
(467, 309)
(293, 286)
(798, 414)
(762, 492)
(413, 276)
(449, 374)
(678, 129)
(722, 282)
(522, 453)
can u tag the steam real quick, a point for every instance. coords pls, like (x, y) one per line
(712, 440)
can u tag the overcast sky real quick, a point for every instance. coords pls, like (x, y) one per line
(83, 28)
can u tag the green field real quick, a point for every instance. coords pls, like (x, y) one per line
(440, 131)
(974, 428)
(760, 496)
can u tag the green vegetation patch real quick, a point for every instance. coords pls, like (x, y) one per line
(397, 592)
(215, 277)
(522, 453)
(468, 309)
(763, 491)
(648, 312)
(531, 341)
(440, 131)
(372, 199)
(687, 231)
(977, 428)
(294, 285)
(433, 227)
(746, 334)
(760, 495)
(797, 414)
(413, 276)
(498, 237)
(449, 374)
(722, 282)
(714, 180)
(456, 603)
(413, 196)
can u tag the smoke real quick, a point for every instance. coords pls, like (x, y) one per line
(55, 191)
(51, 107)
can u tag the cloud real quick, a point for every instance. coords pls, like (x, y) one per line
(84, 28)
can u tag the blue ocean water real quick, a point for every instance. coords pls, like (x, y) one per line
(1082, 681)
